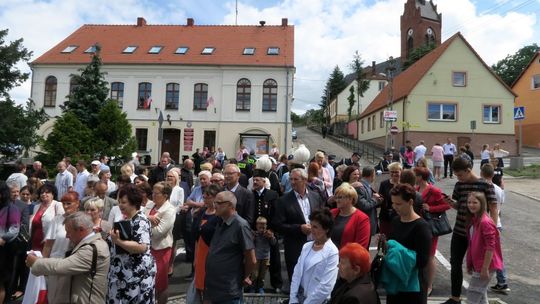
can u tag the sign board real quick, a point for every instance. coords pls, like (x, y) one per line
(389, 115)
(519, 113)
(473, 124)
(394, 130)
(188, 139)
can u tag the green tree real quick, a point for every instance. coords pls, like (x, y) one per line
(362, 84)
(511, 66)
(10, 55)
(296, 119)
(352, 101)
(334, 85)
(69, 137)
(113, 132)
(90, 94)
(417, 54)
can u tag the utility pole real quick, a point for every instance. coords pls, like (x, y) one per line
(389, 105)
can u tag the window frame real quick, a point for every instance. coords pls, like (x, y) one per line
(119, 95)
(273, 51)
(208, 50)
(454, 84)
(491, 106)
(369, 124)
(250, 51)
(272, 86)
(91, 49)
(200, 96)
(147, 89)
(533, 87)
(373, 123)
(382, 84)
(130, 49)
(139, 136)
(156, 49)
(178, 52)
(441, 111)
(69, 49)
(50, 92)
(243, 95)
(362, 126)
(381, 119)
(73, 84)
(172, 102)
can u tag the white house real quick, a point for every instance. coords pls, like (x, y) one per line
(215, 86)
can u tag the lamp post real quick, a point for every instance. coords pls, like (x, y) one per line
(389, 105)
(160, 132)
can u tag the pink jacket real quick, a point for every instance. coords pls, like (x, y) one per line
(483, 235)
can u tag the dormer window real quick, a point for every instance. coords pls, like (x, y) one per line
(70, 49)
(181, 50)
(91, 49)
(130, 49)
(208, 51)
(155, 49)
(273, 51)
(249, 51)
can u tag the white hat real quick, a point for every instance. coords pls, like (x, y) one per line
(96, 162)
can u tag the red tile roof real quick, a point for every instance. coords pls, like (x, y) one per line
(533, 59)
(405, 82)
(229, 43)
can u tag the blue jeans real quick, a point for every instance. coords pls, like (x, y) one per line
(501, 274)
(233, 301)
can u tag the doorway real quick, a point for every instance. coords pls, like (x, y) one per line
(171, 143)
(210, 139)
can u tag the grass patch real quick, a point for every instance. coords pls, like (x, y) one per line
(532, 171)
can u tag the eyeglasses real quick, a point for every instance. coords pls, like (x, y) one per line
(215, 180)
(221, 202)
(340, 197)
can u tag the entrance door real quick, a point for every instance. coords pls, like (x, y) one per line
(171, 143)
(210, 139)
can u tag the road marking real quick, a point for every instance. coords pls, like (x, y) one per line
(447, 265)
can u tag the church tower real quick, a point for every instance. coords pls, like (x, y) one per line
(420, 25)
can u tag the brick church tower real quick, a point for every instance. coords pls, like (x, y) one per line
(420, 25)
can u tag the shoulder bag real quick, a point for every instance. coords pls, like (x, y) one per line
(438, 221)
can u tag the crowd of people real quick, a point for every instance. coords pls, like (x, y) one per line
(99, 241)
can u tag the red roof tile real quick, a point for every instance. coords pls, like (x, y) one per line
(405, 82)
(229, 43)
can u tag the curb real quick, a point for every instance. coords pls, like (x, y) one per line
(525, 195)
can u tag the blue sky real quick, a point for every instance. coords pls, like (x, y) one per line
(327, 32)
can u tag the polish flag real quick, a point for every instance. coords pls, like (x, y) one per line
(210, 101)
(147, 102)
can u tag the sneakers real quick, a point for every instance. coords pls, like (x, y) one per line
(451, 301)
(500, 288)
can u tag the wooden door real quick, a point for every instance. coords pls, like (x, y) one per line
(171, 143)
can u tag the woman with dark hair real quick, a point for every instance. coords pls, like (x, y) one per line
(354, 266)
(409, 230)
(408, 159)
(315, 272)
(432, 202)
(205, 222)
(351, 175)
(43, 215)
(133, 269)
(10, 221)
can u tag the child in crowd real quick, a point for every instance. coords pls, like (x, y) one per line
(264, 238)
(484, 255)
(498, 173)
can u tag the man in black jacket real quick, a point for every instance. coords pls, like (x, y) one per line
(159, 172)
(245, 205)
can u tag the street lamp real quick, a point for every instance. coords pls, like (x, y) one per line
(390, 76)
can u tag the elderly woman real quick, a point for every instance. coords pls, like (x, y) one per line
(105, 176)
(324, 175)
(10, 222)
(146, 192)
(133, 269)
(387, 213)
(205, 221)
(354, 266)
(57, 245)
(94, 208)
(43, 215)
(161, 214)
(338, 179)
(350, 224)
(413, 233)
(315, 272)
(432, 202)
(127, 170)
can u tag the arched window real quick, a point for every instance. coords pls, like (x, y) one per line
(145, 96)
(172, 96)
(430, 37)
(243, 95)
(409, 46)
(200, 96)
(117, 93)
(269, 95)
(73, 84)
(49, 99)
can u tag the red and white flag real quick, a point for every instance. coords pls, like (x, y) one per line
(147, 102)
(210, 101)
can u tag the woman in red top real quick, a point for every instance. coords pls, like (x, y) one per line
(433, 202)
(350, 224)
(44, 213)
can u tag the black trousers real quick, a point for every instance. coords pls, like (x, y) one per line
(448, 160)
(276, 280)
(458, 248)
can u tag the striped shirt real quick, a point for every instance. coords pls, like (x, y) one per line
(64, 181)
(460, 194)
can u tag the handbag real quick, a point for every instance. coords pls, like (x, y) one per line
(437, 221)
(125, 231)
(378, 261)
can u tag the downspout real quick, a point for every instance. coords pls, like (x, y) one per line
(287, 114)
(403, 120)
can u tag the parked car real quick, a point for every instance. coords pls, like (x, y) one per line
(293, 133)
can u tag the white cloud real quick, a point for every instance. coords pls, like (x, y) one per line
(327, 32)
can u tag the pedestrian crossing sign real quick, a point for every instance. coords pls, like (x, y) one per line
(519, 113)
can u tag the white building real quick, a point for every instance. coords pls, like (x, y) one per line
(216, 86)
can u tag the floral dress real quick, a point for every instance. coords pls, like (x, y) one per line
(132, 276)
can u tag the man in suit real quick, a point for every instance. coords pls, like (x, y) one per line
(108, 202)
(245, 205)
(369, 200)
(291, 218)
(85, 269)
(265, 202)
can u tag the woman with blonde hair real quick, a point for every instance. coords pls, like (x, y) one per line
(127, 169)
(423, 163)
(350, 224)
(94, 208)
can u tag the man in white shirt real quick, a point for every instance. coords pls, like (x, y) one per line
(449, 150)
(18, 178)
(82, 177)
(419, 151)
(64, 180)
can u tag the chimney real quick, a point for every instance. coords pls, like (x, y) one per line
(373, 70)
(284, 21)
(141, 21)
(190, 21)
(262, 22)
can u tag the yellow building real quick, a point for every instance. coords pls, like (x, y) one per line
(449, 93)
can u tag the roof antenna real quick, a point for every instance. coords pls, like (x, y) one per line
(236, 17)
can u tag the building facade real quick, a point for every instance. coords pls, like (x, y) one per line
(213, 86)
(420, 25)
